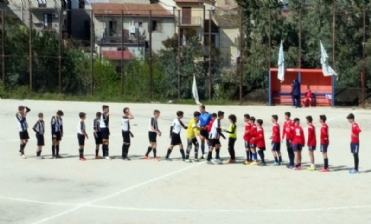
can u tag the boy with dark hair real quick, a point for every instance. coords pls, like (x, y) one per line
(312, 142)
(354, 142)
(81, 135)
(175, 129)
(126, 133)
(298, 140)
(214, 135)
(97, 135)
(252, 143)
(260, 141)
(104, 129)
(22, 127)
(286, 133)
(192, 131)
(276, 143)
(152, 135)
(57, 133)
(232, 131)
(246, 138)
(324, 142)
(214, 116)
(205, 118)
(39, 128)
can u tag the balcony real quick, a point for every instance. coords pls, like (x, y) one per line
(190, 21)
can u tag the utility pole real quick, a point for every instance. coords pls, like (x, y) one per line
(3, 45)
(150, 53)
(364, 59)
(299, 56)
(91, 52)
(179, 54)
(122, 52)
(241, 49)
(30, 53)
(210, 81)
(59, 52)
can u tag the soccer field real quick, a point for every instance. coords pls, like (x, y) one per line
(139, 191)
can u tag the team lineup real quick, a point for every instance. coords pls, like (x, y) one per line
(203, 126)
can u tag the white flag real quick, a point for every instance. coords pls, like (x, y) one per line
(281, 64)
(326, 68)
(194, 91)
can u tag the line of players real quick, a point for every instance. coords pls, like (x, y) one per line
(204, 125)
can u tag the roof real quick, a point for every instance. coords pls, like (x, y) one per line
(116, 55)
(132, 9)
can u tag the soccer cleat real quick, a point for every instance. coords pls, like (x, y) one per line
(156, 159)
(324, 170)
(59, 157)
(40, 157)
(196, 160)
(107, 158)
(262, 164)
(98, 157)
(202, 158)
(353, 171)
(82, 159)
(246, 162)
(168, 159)
(311, 168)
(146, 158)
(53, 157)
(231, 161)
(254, 163)
(275, 164)
(209, 162)
(188, 161)
(297, 168)
(23, 156)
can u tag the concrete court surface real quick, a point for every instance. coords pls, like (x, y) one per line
(140, 191)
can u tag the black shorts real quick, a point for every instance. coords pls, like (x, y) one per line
(98, 138)
(126, 137)
(81, 139)
(324, 147)
(40, 140)
(276, 146)
(105, 134)
(23, 135)
(175, 139)
(261, 148)
(152, 136)
(297, 147)
(57, 135)
(354, 148)
(204, 133)
(215, 142)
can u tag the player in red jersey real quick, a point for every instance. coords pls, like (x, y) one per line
(298, 141)
(260, 141)
(252, 143)
(354, 143)
(276, 143)
(286, 133)
(308, 98)
(324, 136)
(312, 142)
(213, 118)
(246, 138)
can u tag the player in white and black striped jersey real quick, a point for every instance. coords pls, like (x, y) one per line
(215, 134)
(81, 135)
(152, 135)
(97, 135)
(39, 128)
(104, 127)
(57, 133)
(175, 129)
(22, 127)
(126, 132)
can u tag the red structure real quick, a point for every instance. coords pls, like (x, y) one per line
(321, 86)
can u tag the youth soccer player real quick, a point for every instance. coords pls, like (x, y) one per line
(324, 142)
(57, 133)
(308, 98)
(81, 135)
(214, 116)
(97, 135)
(126, 133)
(260, 141)
(205, 118)
(215, 134)
(298, 140)
(286, 133)
(232, 131)
(276, 143)
(175, 129)
(22, 127)
(104, 129)
(312, 142)
(354, 143)
(252, 143)
(246, 138)
(152, 135)
(192, 131)
(39, 128)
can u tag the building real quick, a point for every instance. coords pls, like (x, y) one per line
(134, 31)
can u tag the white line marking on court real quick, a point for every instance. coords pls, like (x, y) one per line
(117, 193)
(37, 202)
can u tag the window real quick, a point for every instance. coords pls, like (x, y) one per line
(154, 25)
(42, 3)
(81, 4)
(48, 20)
(112, 28)
(140, 24)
